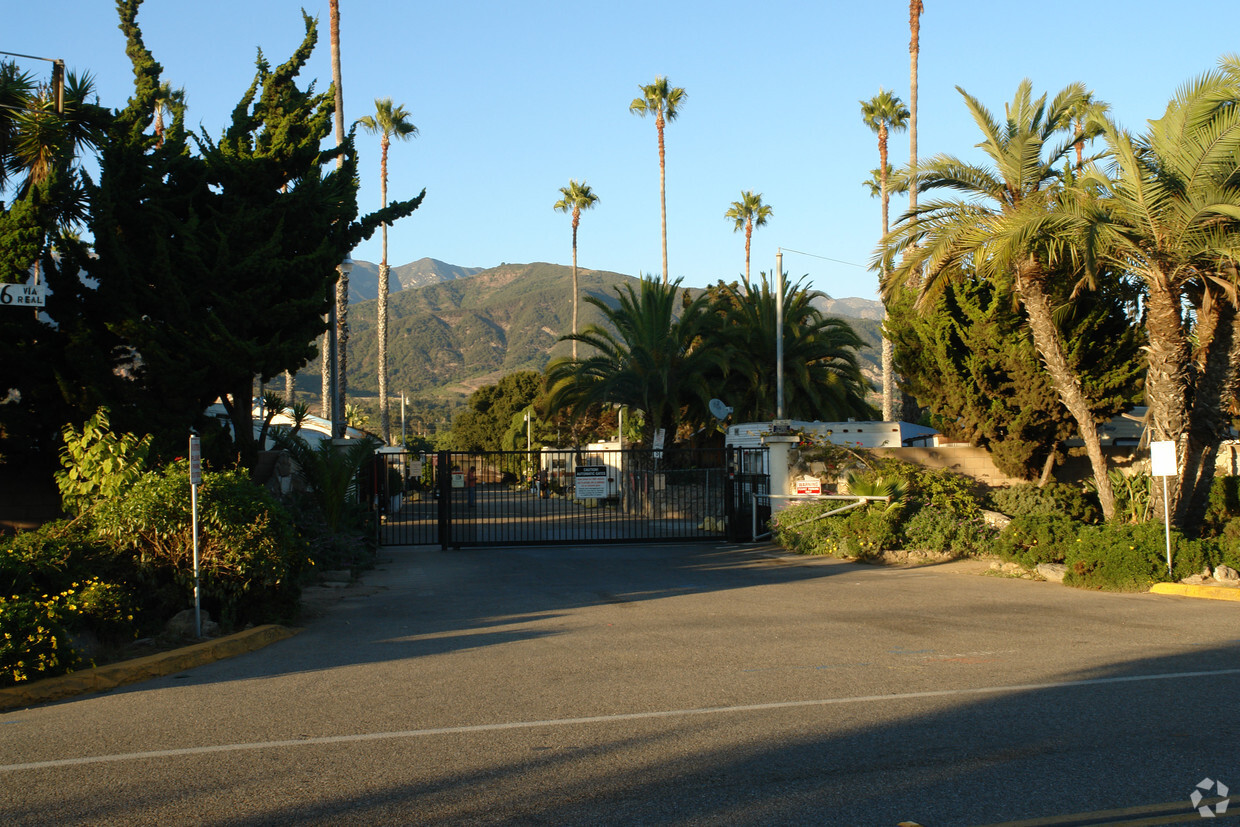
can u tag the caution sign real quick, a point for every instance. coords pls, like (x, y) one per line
(591, 482)
(809, 485)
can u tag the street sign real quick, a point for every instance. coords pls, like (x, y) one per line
(660, 435)
(591, 482)
(195, 460)
(23, 295)
(1162, 459)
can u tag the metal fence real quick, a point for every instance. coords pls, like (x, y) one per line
(457, 499)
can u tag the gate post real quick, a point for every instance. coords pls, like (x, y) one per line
(443, 484)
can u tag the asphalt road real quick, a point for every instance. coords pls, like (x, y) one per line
(677, 684)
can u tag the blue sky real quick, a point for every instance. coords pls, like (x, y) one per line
(514, 99)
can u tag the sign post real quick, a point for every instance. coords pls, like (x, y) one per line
(195, 479)
(1163, 464)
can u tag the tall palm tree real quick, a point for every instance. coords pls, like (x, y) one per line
(994, 230)
(575, 198)
(664, 101)
(166, 100)
(389, 121)
(1170, 215)
(915, 10)
(825, 379)
(748, 213)
(645, 356)
(335, 408)
(885, 113)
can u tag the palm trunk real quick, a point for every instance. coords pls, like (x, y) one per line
(915, 8)
(325, 361)
(290, 388)
(342, 286)
(1046, 339)
(658, 122)
(748, 235)
(888, 349)
(385, 419)
(382, 328)
(1166, 378)
(342, 344)
(1216, 386)
(576, 215)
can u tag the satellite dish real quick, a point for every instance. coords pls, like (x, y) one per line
(719, 410)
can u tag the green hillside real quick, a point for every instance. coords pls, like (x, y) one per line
(447, 339)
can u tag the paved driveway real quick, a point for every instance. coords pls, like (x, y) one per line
(677, 684)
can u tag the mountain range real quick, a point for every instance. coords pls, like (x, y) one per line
(454, 329)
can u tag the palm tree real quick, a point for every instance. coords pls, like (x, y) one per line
(389, 121)
(824, 380)
(645, 356)
(1170, 215)
(337, 405)
(576, 197)
(663, 101)
(915, 10)
(748, 213)
(995, 229)
(167, 99)
(885, 113)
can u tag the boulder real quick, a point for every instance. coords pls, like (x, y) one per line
(1227, 575)
(1052, 572)
(182, 625)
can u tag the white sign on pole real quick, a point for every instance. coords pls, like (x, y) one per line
(660, 435)
(591, 482)
(23, 295)
(1163, 464)
(1162, 459)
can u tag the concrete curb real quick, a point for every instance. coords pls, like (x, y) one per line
(1185, 590)
(139, 669)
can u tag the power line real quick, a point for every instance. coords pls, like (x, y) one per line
(824, 258)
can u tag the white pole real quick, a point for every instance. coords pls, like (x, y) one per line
(195, 477)
(779, 333)
(402, 419)
(1167, 524)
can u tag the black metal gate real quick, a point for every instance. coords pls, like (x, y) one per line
(454, 499)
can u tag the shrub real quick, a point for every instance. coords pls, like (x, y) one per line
(1122, 557)
(1037, 538)
(98, 463)
(34, 640)
(1055, 498)
(865, 531)
(249, 553)
(1224, 505)
(945, 533)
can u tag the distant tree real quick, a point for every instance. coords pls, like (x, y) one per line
(389, 121)
(644, 356)
(488, 413)
(746, 214)
(575, 198)
(664, 101)
(885, 113)
(823, 379)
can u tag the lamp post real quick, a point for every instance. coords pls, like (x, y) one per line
(779, 332)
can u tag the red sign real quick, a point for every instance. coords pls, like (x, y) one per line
(809, 485)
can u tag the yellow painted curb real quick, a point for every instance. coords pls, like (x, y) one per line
(139, 669)
(1185, 590)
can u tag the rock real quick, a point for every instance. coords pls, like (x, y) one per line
(1226, 574)
(1194, 580)
(1011, 568)
(1052, 572)
(995, 520)
(182, 625)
